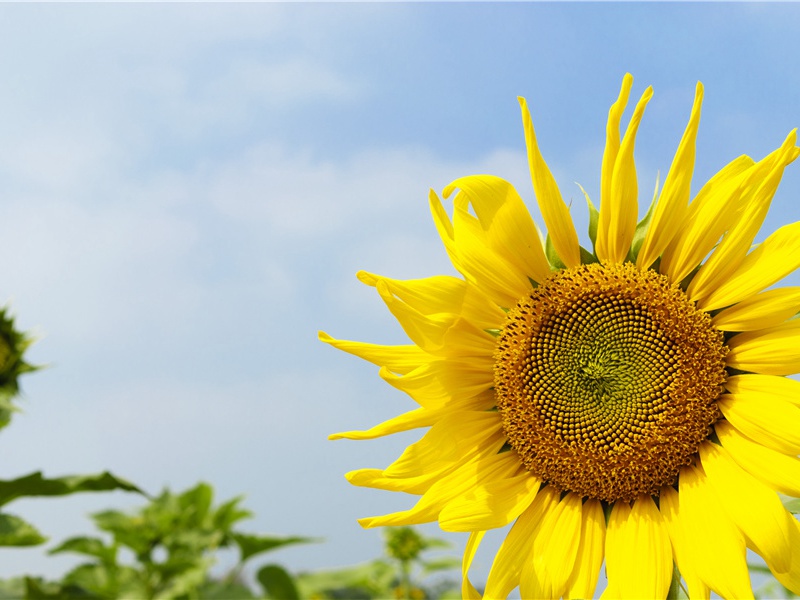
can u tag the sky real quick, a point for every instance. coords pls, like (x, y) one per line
(187, 192)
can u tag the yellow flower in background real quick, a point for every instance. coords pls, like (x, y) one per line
(629, 405)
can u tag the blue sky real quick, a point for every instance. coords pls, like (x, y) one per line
(187, 192)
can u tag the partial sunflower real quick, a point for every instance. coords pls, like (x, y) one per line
(627, 405)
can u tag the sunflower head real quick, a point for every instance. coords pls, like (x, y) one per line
(13, 345)
(625, 404)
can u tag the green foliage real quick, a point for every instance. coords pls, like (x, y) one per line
(173, 540)
(398, 577)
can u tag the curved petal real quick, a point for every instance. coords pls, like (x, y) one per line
(779, 471)
(771, 351)
(638, 550)
(504, 223)
(554, 211)
(448, 441)
(490, 505)
(714, 545)
(419, 417)
(555, 546)
(609, 160)
(673, 203)
(454, 484)
(757, 189)
(761, 311)
(618, 216)
(710, 214)
(753, 507)
(468, 591)
(441, 382)
(398, 359)
(591, 552)
(791, 579)
(770, 262)
(515, 550)
(765, 419)
(669, 505)
(442, 294)
(772, 385)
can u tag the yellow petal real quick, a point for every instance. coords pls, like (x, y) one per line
(779, 471)
(591, 551)
(753, 507)
(445, 229)
(638, 550)
(770, 262)
(609, 160)
(441, 382)
(791, 579)
(468, 591)
(771, 385)
(709, 216)
(771, 351)
(398, 359)
(448, 441)
(490, 505)
(756, 190)
(714, 545)
(555, 546)
(669, 506)
(618, 216)
(507, 227)
(554, 211)
(763, 310)
(445, 489)
(515, 550)
(442, 294)
(673, 203)
(766, 419)
(420, 417)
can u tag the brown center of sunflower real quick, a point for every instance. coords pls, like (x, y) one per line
(606, 379)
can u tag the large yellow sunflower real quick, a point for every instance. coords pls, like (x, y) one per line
(627, 405)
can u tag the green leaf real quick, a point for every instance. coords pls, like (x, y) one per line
(441, 564)
(277, 583)
(250, 545)
(36, 485)
(16, 532)
(88, 546)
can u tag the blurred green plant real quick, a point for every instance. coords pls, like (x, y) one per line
(399, 574)
(15, 531)
(172, 543)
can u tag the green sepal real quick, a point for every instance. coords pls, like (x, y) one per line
(676, 590)
(17, 532)
(594, 216)
(555, 261)
(587, 258)
(642, 226)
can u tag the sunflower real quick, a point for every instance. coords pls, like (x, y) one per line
(627, 405)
